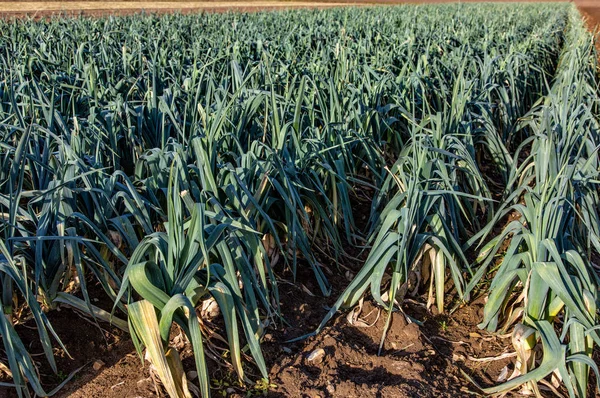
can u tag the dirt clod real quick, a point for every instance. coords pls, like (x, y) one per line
(98, 365)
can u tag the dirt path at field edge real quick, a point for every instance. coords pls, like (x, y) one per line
(96, 7)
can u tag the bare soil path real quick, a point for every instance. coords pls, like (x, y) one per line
(96, 7)
(591, 10)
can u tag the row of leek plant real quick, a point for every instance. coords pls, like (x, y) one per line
(545, 287)
(436, 196)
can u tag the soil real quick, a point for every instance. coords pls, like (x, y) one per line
(591, 11)
(13, 8)
(96, 353)
(424, 361)
(415, 360)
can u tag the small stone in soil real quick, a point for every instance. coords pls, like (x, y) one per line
(192, 375)
(458, 358)
(330, 389)
(316, 356)
(98, 365)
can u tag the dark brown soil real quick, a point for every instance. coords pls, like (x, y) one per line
(86, 343)
(424, 361)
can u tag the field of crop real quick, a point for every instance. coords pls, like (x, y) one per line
(301, 203)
